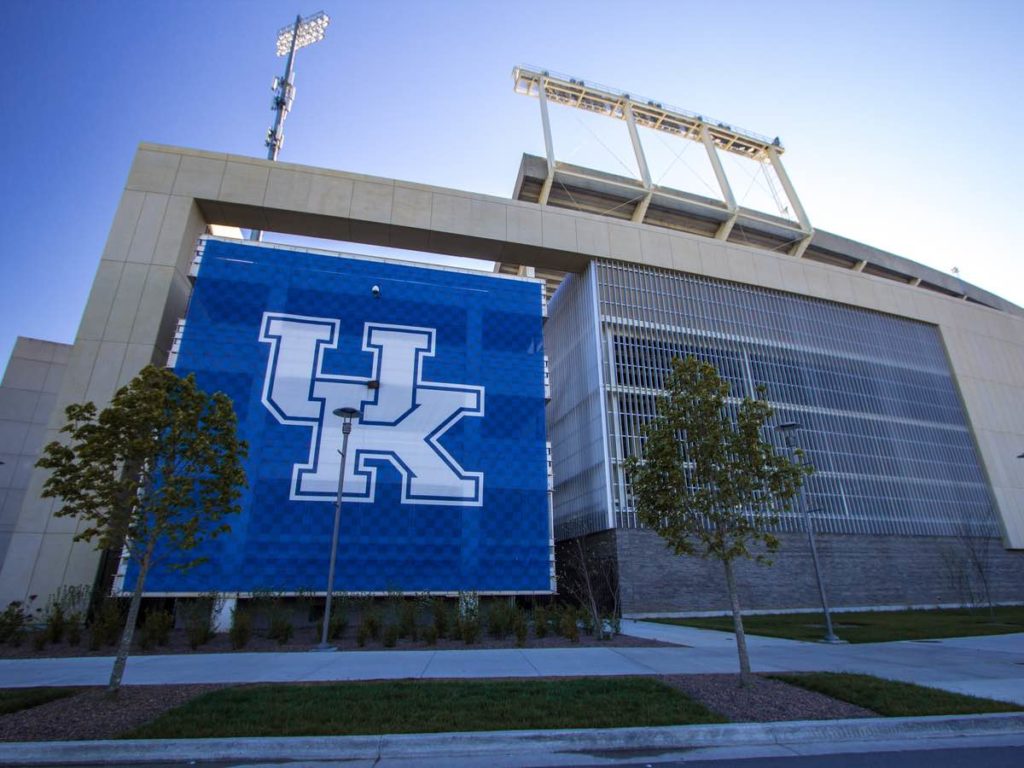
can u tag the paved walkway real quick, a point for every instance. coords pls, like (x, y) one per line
(983, 666)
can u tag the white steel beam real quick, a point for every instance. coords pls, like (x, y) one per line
(787, 186)
(549, 147)
(638, 149)
(641, 208)
(723, 185)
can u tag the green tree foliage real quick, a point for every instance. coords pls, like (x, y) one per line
(162, 463)
(707, 482)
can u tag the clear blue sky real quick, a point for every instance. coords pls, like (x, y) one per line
(901, 119)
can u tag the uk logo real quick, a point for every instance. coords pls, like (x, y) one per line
(402, 422)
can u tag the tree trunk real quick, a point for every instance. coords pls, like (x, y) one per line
(737, 623)
(129, 626)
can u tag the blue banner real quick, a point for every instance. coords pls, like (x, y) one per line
(446, 473)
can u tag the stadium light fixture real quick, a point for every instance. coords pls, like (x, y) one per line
(346, 415)
(303, 32)
(788, 428)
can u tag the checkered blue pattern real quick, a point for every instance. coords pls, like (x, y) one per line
(488, 334)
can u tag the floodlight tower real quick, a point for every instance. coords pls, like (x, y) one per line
(305, 31)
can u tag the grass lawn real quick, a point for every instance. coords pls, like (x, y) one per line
(893, 699)
(15, 699)
(873, 626)
(427, 706)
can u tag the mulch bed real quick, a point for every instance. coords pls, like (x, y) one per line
(92, 714)
(306, 638)
(764, 701)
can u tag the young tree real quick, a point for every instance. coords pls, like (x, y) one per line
(708, 484)
(162, 464)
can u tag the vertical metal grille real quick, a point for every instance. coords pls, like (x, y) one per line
(882, 421)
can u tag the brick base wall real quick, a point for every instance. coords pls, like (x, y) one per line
(858, 571)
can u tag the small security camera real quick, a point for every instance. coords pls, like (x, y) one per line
(375, 291)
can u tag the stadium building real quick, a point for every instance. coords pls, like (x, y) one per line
(907, 383)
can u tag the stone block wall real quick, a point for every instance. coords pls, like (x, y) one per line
(859, 571)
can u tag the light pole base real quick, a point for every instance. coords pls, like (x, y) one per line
(323, 647)
(833, 640)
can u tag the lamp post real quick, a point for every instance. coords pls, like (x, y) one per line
(346, 415)
(303, 32)
(787, 429)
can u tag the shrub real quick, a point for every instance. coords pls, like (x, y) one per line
(198, 618)
(338, 625)
(156, 629)
(407, 620)
(568, 625)
(540, 621)
(106, 624)
(430, 635)
(39, 638)
(370, 622)
(13, 621)
(55, 623)
(64, 609)
(440, 613)
(240, 631)
(499, 619)
(521, 628)
(362, 635)
(73, 629)
(469, 628)
(281, 628)
(390, 635)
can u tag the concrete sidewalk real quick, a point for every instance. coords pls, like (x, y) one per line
(991, 666)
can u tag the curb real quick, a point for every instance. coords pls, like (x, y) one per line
(480, 743)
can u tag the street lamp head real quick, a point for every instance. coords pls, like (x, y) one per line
(347, 413)
(1021, 456)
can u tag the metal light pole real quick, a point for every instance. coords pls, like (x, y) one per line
(346, 415)
(787, 429)
(305, 31)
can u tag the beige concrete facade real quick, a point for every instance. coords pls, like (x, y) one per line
(172, 195)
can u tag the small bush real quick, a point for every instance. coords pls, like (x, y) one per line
(499, 619)
(240, 631)
(13, 621)
(521, 628)
(390, 635)
(469, 628)
(39, 638)
(362, 635)
(106, 624)
(370, 623)
(407, 620)
(540, 621)
(198, 618)
(440, 614)
(281, 628)
(430, 635)
(73, 629)
(568, 626)
(55, 622)
(156, 629)
(338, 625)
